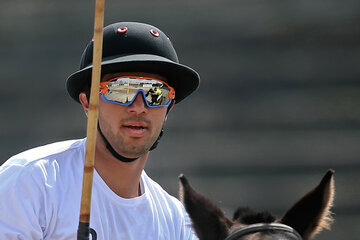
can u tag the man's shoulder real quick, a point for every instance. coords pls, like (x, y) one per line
(47, 152)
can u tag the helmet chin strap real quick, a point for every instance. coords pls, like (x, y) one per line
(120, 157)
(157, 140)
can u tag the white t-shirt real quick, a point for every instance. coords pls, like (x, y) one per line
(40, 192)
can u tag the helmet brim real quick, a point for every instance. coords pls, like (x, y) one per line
(182, 78)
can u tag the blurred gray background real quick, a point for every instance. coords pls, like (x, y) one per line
(278, 105)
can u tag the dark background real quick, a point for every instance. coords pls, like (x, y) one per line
(279, 101)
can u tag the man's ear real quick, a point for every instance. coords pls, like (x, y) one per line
(172, 104)
(84, 102)
(169, 108)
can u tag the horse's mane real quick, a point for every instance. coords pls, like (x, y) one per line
(248, 216)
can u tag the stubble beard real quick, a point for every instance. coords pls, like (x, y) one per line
(132, 147)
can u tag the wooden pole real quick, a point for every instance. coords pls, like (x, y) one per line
(84, 223)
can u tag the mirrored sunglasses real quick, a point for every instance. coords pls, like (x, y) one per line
(123, 90)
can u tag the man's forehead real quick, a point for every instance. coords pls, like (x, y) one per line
(109, 76)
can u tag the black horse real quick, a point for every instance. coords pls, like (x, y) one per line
(306, 218)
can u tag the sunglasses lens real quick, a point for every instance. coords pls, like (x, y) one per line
(123, 90)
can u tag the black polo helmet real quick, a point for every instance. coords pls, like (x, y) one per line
(135, 47)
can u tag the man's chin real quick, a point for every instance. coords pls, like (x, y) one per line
(134, 154)
(134, 148)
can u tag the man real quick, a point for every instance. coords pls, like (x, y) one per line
(155, 95)
(40, 189)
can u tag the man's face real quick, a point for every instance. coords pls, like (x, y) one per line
(131, 130)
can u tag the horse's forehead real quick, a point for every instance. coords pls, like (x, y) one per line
(260, 236)
(236, 226)
(265, 235)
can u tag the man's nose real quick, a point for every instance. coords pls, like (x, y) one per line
(138, 105)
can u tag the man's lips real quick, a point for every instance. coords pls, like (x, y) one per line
(135, 125)
(135, 128)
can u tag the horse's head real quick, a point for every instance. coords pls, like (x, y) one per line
(306, 218)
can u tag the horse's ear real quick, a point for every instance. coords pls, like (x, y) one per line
(311, 214)
(208, 220)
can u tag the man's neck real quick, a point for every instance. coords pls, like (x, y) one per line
(121, 177)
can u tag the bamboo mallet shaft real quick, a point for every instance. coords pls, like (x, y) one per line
(92, 114)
